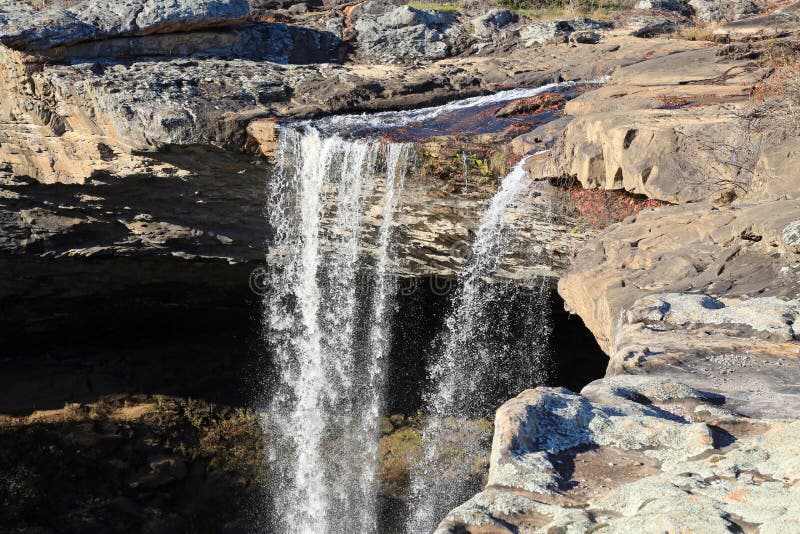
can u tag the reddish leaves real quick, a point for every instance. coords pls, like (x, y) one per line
(598, 208)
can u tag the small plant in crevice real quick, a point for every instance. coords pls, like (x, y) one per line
(596, 209)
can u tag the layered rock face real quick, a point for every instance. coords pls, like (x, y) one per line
(696, 306)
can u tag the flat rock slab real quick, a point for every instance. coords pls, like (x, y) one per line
(23, 28)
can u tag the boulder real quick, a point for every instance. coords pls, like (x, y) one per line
(29, 30)
(557, 30)
(723, 10)
(791, 236)
(390, 33)
(584, 37)
(655, 28)
(629, 454)
(488, 23)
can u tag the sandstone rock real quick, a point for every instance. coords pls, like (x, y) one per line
(767, 317)
(719, 252)
(610, 483)
(634, 135)
(274, 42)
(531, 105)
(389, 33)
(486, 24)
(27, 30)
(540, 138)
(775, 176)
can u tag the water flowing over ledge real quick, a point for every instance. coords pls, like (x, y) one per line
(336, 193)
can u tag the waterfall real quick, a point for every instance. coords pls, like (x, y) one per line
(328, 336)
(479, 352)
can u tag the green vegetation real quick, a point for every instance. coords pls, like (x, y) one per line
(560, 9)
(436, 7)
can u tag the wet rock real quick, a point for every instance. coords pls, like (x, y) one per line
(171, 524)
(161, 472)
(532, 105)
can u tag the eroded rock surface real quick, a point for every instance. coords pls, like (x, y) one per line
(667, 128)
(634, 454)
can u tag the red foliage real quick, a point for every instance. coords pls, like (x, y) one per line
(598, 208)
(532, 105)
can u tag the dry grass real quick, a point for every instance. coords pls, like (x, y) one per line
(775, 102)
(431, 6)
(48, 4)
(696, 33)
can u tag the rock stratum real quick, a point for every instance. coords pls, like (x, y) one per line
(137, 135)
(695, 303)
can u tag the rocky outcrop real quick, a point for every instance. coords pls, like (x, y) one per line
(731, 252)
(634, 454)
(558, 30)
(666, 128)
(23, 28)
(389, 33)
(725, 11)
(486, 25)
(778, 22)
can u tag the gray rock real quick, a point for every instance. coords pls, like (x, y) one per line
(274, 42)
(585, 37)
(557, 30)
(723, 10)
(661, 5)
(791, 236)
(765, 317)
(486, 24)
(656, 27)
(24, 29)
(632, 454)
(389, 33)
(297, 9)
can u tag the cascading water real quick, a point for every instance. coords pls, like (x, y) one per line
(328, 326)
(327, 344)
(480, 351)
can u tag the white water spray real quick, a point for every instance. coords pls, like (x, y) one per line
(329, 398)
(475, 357)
